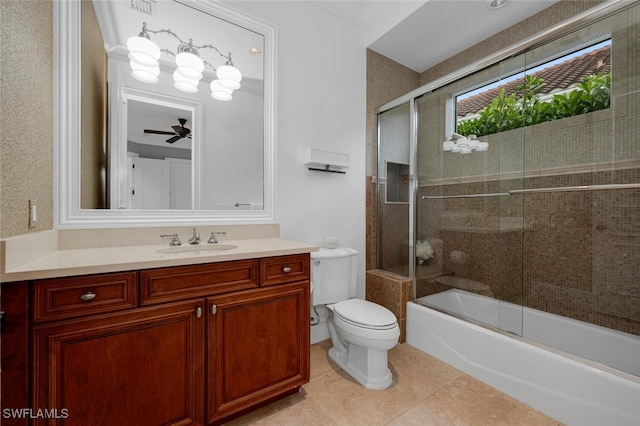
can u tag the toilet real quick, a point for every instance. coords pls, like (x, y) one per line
(361, 332)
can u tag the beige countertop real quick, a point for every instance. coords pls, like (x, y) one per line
(82, 261)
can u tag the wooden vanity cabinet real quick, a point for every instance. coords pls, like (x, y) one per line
(143, 367)
(258, 347)
(184, 345)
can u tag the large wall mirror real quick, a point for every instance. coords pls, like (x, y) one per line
(145, 150)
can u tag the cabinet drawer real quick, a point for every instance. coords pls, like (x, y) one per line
(168, 284)
(284, 269)
(61, 298)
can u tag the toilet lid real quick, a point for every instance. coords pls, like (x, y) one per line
(365, 314)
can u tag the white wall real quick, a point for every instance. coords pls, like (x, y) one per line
(320, 98)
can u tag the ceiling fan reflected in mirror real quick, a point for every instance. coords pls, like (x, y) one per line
(179, 131)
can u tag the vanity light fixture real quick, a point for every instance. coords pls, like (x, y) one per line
(464, 145)
(144, 56)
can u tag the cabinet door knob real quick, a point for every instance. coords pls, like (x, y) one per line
(88, 296)
(214, 309)
(286, 269)
(198, 312)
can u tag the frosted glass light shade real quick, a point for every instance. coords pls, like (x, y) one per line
(190, 65)
(144, 73)
(143, 51)
(185, 84)
(229, 76)
(220, 93)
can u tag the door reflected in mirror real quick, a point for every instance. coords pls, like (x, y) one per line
(159, 157)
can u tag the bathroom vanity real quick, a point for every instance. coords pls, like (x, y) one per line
(207, 338)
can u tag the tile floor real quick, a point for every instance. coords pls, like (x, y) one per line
(425, 391)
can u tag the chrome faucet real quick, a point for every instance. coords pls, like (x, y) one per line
(195, 238)
(213, 239)
(175, 241)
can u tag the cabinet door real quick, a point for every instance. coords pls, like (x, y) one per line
(139, 368)
(258, 347)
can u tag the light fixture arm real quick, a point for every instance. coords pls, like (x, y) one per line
(188, 46)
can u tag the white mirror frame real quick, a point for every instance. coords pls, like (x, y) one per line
(66, 144)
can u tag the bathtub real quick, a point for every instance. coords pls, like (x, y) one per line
(570, 388)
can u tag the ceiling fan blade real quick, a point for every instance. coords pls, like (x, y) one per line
(173, 139)
(158, 132)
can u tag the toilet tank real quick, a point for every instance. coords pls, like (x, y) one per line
(334, 273)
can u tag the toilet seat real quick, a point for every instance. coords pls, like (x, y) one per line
(365, 314)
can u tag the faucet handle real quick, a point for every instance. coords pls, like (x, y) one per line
(213, 239)
(175, 241)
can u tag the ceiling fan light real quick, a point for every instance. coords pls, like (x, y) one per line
(143, 51)
(229, 76)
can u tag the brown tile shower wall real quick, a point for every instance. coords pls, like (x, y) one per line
(576, 255)
(391, 291)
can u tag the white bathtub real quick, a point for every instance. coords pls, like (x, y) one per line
(564, 386)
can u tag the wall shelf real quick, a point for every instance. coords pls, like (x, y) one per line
(326, 161)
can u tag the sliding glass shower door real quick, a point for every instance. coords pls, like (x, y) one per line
(527, 191)
(394, 191)
(469, 231)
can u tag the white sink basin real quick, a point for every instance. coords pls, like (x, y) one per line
(197, 248)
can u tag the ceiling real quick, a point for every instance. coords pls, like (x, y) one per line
(421, 34)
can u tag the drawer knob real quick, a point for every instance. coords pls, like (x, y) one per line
(286, 269)
(88, 296)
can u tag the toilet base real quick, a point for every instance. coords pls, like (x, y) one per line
(368, 367)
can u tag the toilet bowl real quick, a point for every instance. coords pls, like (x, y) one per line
(361, 332)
